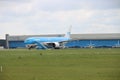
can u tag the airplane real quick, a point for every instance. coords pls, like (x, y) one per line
(47, 42)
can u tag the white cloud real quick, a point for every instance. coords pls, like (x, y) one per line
(52, 16)
(102, 28)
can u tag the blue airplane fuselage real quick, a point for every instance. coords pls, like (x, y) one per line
(33, 40)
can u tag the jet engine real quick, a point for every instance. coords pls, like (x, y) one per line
(55, 45)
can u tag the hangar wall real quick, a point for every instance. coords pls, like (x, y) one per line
(16, 44)
(2, 43)
(79, 40)
(94, 43)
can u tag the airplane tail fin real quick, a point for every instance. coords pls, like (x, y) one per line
(67, 35)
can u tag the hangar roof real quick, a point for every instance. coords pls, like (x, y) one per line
(73, 36)
(96, 36)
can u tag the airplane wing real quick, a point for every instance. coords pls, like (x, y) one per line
(41, 46)
(37, 45)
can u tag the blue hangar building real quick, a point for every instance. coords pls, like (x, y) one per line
(78, 40)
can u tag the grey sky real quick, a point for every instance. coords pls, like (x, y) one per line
(24, 17)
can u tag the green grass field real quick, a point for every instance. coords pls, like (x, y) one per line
(64, 64)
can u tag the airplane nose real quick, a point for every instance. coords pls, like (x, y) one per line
(29, 41)
(26, 41)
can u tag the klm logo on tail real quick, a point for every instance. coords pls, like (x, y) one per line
(67, 35)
